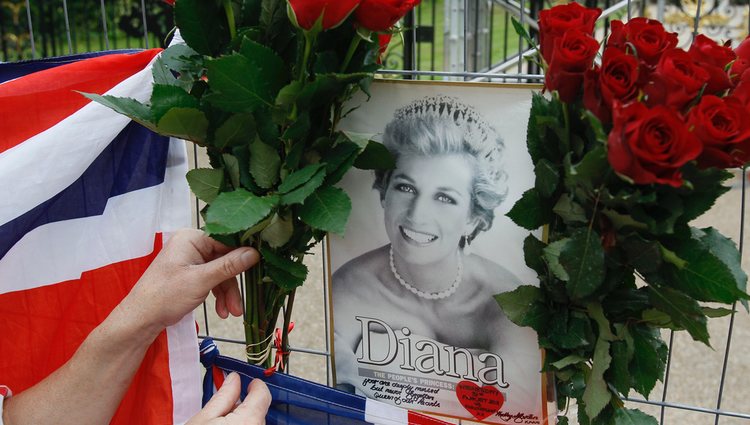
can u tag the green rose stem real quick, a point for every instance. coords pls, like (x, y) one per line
(229, 11)
(350, 53)
(309, 39)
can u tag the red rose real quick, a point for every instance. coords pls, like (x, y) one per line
(647, 36)
(554, 22)
(713, 58)
(573, 54)
(743, 49)
(382, 15)
(650, 145)
(592, 96)
(616, 81)
(742, 91)
(738, 68)
(169, 2)
(721, 125)
(305, 13)
(743, 60)
(676, 80)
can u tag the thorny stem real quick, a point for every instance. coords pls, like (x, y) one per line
(350, 53)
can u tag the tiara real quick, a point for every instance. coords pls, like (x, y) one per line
(477, 132)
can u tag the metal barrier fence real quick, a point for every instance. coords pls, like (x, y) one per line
(469, 40)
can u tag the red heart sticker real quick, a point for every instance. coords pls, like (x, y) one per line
(481, 402)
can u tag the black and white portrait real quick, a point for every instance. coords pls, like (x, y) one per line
(427, 247)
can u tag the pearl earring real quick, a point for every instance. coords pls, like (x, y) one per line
(467, 244)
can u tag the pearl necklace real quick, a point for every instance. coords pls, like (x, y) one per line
(429, 295)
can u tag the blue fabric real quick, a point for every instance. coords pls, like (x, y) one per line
(296, 401)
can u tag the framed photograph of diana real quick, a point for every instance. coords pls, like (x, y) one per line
(427, 246)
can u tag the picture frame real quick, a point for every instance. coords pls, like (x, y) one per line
(426, 247)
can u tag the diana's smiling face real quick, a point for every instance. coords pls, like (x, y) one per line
(427, 206)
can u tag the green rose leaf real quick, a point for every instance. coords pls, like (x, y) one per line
(286, 273)
(570, 332)
(239, 84)
(327, 209)
(288, 94)
(649, 359)
(164, 98)
(360, 139)
(533, 250)
(299, 178)
(232, 166)
(547, 178)
(519, 306)
(684, 311)
(713, 271)
(201, 25)
(583, 260)
(569, 210)
(163, 74)
(707, 188)
(589, 171)
(643, 254)
(531, 211)
(270, 66)
(339, 160)
(278, 231)
(375, 156)
(298, 195)
(299, 128)
(618, 374)
(569, 360)
(545, 115)
(205, 183)
(134, 109)
(551, 255)
(625, 416)
(237, 130)
(264, 164)
(597, 395)
(236, 211)
(184, 123)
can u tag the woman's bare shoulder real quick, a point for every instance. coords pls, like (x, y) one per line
(494, 277)
(357, 274)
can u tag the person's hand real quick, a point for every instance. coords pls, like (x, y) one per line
(190, 265)
(222, 410)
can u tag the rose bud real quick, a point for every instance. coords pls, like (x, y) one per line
(555, 22)
(382, 15)
(304, 14)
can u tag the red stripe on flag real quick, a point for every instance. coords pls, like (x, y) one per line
(415, 418)
(36, 102)
(41, 328)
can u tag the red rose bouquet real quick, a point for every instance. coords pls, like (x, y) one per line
(260, 84)
(627, 152)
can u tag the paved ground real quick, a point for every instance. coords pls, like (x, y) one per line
(695, 370)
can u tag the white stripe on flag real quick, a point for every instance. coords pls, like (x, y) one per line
(47, 163)
(380, 413)
(61, 251)
(184, 369)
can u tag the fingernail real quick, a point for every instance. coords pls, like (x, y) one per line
(231, 378)
(248, 256)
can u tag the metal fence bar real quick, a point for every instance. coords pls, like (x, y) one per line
(31, 30)
(734, 305)
(104, 24)
(690, 408)
(67, 27)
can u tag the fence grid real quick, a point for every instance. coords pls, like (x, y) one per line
(466, 40)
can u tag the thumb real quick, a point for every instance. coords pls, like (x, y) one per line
(227, 266)
(223, 401)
